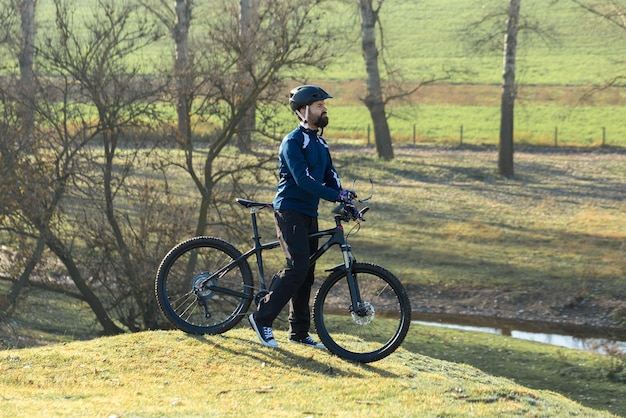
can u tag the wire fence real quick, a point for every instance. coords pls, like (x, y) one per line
(558, 137)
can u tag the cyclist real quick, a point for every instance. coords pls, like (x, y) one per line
(306, 175)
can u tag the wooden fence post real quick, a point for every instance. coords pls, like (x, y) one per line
(556, 136)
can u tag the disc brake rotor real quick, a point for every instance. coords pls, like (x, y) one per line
(365, 315)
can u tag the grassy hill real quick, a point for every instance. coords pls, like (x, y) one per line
(163, 373)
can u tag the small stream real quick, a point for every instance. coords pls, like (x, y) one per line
(578, 337)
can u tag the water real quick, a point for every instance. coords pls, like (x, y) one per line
(593, 339)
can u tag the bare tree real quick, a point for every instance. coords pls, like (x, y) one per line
(177, 21)
(89, 102)
(40, 175)
(385, 83)
(86, 62)
(487, 34)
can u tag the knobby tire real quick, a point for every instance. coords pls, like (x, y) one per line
(188, 264)
(376, 332)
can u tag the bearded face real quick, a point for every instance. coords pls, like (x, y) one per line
(322, 120)
(315, 114)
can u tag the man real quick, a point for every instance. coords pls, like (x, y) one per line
(306, 175)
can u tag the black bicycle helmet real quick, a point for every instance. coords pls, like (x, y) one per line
(305, 95)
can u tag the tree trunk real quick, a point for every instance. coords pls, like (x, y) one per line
(27, 53)
(374, 97)
(58, 248)
(7, 307)
(182, 66)
(248, 21)
(505, 158)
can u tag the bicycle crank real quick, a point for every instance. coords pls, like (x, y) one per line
(261, 295)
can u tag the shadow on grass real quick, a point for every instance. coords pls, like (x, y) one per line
(315, 363)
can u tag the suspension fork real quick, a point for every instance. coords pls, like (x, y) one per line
(353, 284)
(338, 238)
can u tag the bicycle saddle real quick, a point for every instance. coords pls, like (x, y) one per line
(252, 204)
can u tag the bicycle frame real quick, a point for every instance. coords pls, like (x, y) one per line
(336, 237)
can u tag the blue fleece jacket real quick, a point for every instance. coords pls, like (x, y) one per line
(306, 173)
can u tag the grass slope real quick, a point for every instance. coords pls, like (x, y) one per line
(168, 373)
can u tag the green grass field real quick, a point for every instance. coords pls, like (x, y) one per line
(546, 125)
(429, 39)
(426, 38)
(429, 36)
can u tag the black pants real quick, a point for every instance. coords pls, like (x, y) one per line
(292, 284)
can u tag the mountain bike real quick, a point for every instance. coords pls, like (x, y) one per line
(361, 311)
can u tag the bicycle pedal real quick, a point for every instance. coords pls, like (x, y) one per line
(260, 295)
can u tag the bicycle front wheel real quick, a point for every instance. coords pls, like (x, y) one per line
(368, 332)
(193, 297)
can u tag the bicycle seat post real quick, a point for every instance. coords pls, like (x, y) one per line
(257, 245)
(255, 229)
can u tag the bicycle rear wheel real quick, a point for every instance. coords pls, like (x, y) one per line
(367, 334)
(191, 298)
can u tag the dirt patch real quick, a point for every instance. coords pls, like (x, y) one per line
(574, 313)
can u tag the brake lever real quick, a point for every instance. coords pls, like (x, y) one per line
(363, 212)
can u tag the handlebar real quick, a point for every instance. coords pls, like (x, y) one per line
(349, 212)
